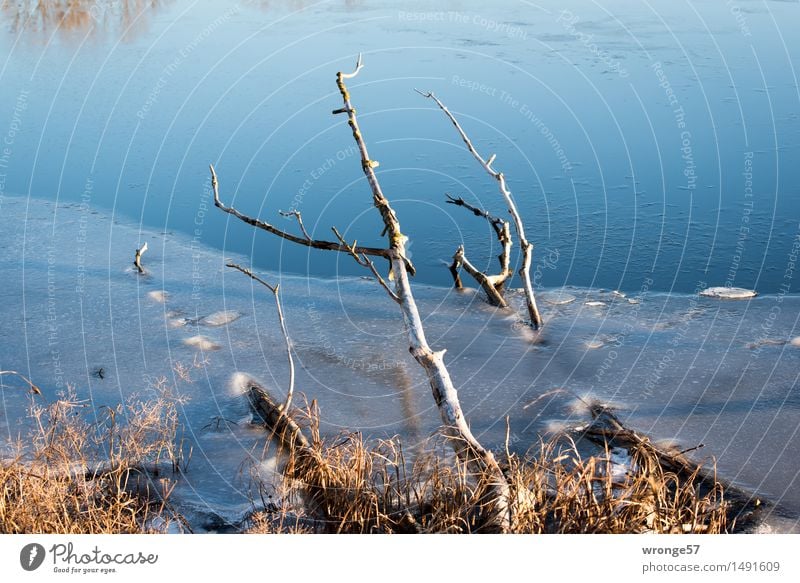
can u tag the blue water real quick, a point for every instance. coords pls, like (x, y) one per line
(640, 140)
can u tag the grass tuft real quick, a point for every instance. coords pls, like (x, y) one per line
(349, 485)
(108, 475)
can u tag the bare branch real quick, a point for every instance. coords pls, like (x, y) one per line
(276, 417)
(359, 66)
(466, 446)
(299, 217)
(503, 233)
(397, 240)
(454, 267)
(316, 244)
(365, 261)
(495, 222)
(527, 247)
(486, 282)
(137, 258)
(274, 289)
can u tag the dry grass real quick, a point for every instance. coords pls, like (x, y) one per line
(346, 485)
(71, 475)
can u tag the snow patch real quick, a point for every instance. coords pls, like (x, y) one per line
(158, 296)
(728, 293)
(239, 384)
(557, 298)
(220, 318)
(201, 343)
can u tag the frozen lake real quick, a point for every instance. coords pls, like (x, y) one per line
(688, 369)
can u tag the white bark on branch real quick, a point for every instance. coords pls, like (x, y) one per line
(466, 446)
(275, 290)
(137, 258)
(525, 245)
(485, 281)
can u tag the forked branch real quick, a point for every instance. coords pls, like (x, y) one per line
(468, 449)
(365, 261)
(299, 217)
(525, 245)
(487, 282)
(304, 240)
(493, 285)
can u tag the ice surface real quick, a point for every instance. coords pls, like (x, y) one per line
(683, 368)
(728, 293)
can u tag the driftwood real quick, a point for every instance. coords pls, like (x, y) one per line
(606, 430)
(525, 245)
(137, 258)
(466, 446)
(276, 418)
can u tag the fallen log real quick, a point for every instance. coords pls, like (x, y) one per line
(606, 430)
(276, 418)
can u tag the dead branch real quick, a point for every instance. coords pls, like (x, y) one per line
(496, 222)
(299, 217)
(487, 283)
(137, 258)
(469, 450)
(525, 245)
(501, 229)
(366, 262)
(608, 431)
(466, 446)
(274, 289)
(277, 418)
(493, 285)
(305, 240)
(454, 267)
